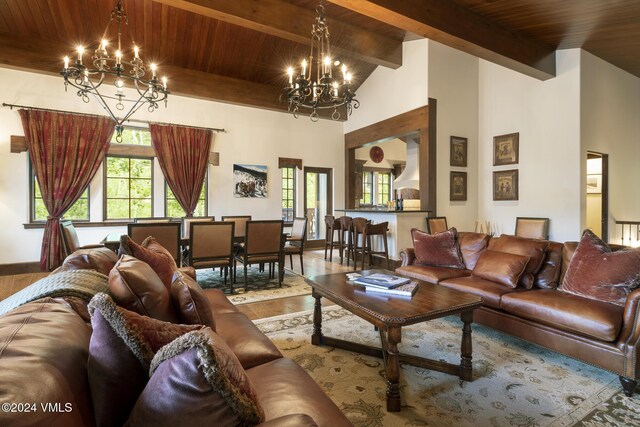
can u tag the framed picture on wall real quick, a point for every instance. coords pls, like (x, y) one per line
(505, 185)
(594, 184)
(458, 151)
(249, 181)
(505, 149)
(458, 186)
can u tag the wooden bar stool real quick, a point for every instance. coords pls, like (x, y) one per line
(372, 230)
(332, 226)
(358, 226)
(346, 245)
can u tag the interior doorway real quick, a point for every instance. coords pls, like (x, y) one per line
(597, 189)
(318, 202)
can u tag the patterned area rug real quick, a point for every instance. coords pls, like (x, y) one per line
(261, 288)
(515, 383)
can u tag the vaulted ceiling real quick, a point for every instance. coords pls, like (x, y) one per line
(237, 51)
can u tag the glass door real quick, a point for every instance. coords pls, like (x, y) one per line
(318, 200)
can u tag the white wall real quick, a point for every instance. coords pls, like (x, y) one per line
(387, 93)
(453, 82)
(547, 116)
(252, 136)
(610, 124)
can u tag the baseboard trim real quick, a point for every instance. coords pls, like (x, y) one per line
(19, 268)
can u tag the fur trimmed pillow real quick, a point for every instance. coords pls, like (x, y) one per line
(154, 254)
(437, 250)
(598, 273)
(191, 305)
(193, 377)
(121, 349)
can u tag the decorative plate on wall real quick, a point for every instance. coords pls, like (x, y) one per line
(376, 154)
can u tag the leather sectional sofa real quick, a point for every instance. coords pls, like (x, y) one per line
(599, 333)
(44, 352)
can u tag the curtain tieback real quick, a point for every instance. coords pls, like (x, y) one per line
(52, 217)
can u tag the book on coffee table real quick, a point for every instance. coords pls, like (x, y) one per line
(404, 290)
(385, 281)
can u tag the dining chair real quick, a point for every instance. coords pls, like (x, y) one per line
(533, 228)
(263, 244)
(187, 221)
(296, 241)
(211, 246)
(436, 224)
(166, 234)
(151, 220)
(240, 222)
(70, 238)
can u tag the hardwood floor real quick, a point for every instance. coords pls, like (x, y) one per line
(314, 264)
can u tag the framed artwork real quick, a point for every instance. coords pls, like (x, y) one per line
(458, 151)
(505, 149)
(594, 184)
(505, 185)
(249, 181)
(458, 186)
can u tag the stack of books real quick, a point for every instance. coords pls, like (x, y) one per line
(387, 284)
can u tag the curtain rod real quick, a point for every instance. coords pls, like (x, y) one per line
(12, 106)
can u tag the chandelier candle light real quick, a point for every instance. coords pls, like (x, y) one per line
(317, 88)
(88, 79)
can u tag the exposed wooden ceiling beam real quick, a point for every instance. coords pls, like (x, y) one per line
(448, 23)
(290, 22)
(46, 57)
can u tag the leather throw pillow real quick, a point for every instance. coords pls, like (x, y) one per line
(191, 305)
(100, 259)
(194, 378)
(596, 272)
(532, 248)
(500, 267)
(437, 250)
(154, 254)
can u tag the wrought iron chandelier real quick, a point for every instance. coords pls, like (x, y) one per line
(316, 88)
(115, 70)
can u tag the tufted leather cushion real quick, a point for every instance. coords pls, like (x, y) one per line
(534, 249)
(549, 274)
(500, 267)
(566, 312)
(437, 250)
(598, 273)
(135, 286)
(190, 302)
(471, 246)
(197, 379)
(154, 254)
(100, 259)
(122, 346)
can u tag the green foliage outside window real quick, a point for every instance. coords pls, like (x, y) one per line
(367, 188)
(79, 211)
(288, 194)
(383, 188)
(174, 210)
(128, 188)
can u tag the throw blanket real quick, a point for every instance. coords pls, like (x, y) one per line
(78, 283)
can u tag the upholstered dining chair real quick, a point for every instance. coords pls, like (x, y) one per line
(263, 244)
(166, 234)
(151, 220)
(187, 221)
(70, 238)
(296, 241)
(211, 246)
(436, 224)
(533, 228)
(240, 222)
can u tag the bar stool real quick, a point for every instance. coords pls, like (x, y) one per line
(331, 225)
(370, 231)
(345, 237)
(358, 226)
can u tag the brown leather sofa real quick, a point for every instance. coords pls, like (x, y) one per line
(43, 367)
(595, 332)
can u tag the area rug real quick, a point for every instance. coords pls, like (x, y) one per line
(515, 383)
(261, 288)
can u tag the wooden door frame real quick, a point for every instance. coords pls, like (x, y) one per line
(421, 120)
(604, 218)
(329, 172)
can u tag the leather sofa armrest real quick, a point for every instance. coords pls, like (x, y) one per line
(94, 246)
(291, 420)
(630, 332)
(189, 271)
(408, 256)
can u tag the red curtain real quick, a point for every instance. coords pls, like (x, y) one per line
(65, 150)
(183, 153)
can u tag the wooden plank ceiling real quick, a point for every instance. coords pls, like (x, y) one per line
(237, 51)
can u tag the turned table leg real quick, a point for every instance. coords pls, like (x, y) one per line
(316, 338)
(466, 372)
(393, 369)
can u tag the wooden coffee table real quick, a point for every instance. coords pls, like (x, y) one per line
(389, 313)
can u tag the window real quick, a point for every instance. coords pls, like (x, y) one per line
(173, 209)
(79, 211)
(288, 193)
(129, 180)
(383, 188)
(367, 188)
